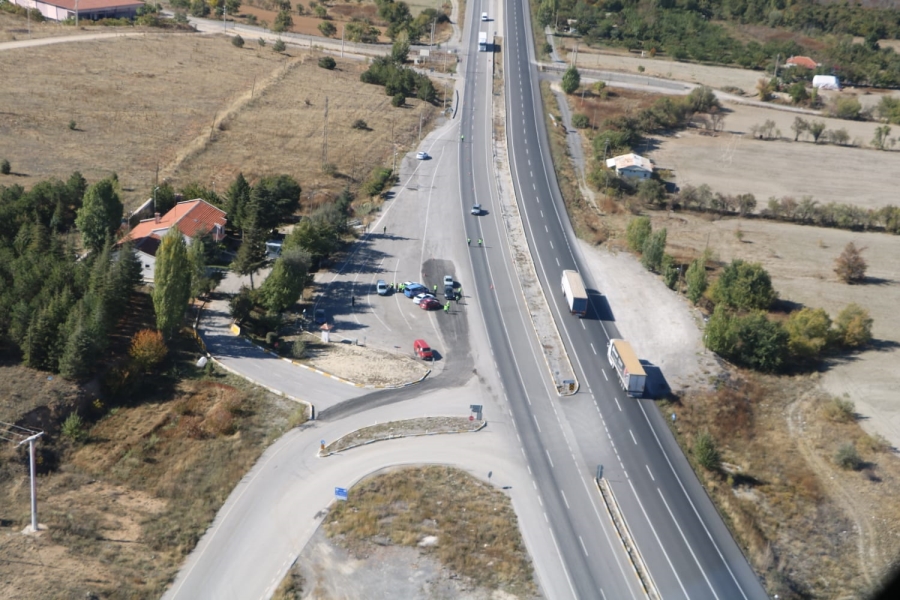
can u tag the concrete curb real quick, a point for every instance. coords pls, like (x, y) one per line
(564, 355)
(195, 329)
(634, 555)
(397, 437)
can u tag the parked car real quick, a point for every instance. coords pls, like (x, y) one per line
(422, 349)
(422, 297)
(414, 289)
(449, 292)
(422, 156)
(430, 303)
(381, 287)
(476, 209)
(448, 280)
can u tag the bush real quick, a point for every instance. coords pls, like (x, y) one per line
(752, 341)
(809, 332)
(706, 452)
(637, 232)
(5, 167)
(360, 124)
(669, 272)
(571, 80)
(581, 121)
(298, 349)
(745, 286)
(237, 41)
(654, 250)
(848, 458)
(279, 45)
(148, 349)
(261, 42)
(398, 100)
(73, 125)
(326, 62)
(327, 28)
(850, 266)
(854, 326)
(846, 108)
(329, 169)
(73, 428)
(840, 410)
(696, 279)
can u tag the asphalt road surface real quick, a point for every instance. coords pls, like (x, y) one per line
(687, 548)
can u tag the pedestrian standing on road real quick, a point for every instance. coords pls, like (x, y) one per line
(447, 307)
(352, 300)
(385, 231)
(468, 241)
(434, 289)
(479, 242)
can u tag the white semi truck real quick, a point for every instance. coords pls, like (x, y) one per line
(482, 41)
(628, 367)
(576, 295)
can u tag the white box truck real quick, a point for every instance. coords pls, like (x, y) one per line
(576, 295)
(628, 367)
(482, 41)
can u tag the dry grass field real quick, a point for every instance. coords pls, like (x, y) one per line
(734, 163)
(156, 101)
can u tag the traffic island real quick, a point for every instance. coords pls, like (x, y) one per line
(400, 429)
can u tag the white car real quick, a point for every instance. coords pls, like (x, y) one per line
(484, 17)
(422, 156)
(448, 280)
(418, 299)
(476, 209)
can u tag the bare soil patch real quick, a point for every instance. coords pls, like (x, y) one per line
(364, 365)
(422, 426)
(125, 508)
(734, 163)
(426, 532)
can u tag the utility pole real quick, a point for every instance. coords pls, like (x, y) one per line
(76, 14)
(394, 149)
(420, 128)
(432, 31)
(343, 28)
(224, 23)
(777, 58)
(325, 135)
(22, 435)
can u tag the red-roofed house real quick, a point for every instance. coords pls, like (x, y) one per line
(801, 61)
(60, 10)
(191, 217)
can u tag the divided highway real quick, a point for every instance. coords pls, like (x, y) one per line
(688, 550)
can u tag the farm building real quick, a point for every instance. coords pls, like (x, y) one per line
(801, 61)
(826, 82)
(60, 10)
(631, 166)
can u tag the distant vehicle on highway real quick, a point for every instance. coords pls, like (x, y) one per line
(430, 303)
(484, 16)
(412, 289)
(476, 209)
(381, 287)
(576, 295)
(422, 349)
(422, 297)
(422, 156)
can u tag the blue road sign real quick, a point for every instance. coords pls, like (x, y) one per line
(340, 493)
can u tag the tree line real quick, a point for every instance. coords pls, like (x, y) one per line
(57, 309)
(740, 328)
(687, 30)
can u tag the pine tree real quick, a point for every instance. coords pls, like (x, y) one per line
(238, 196)
(172, 282)
(78, 355)
(100, 214)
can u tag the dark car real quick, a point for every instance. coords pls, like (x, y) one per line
(449, 292)
(429, 304)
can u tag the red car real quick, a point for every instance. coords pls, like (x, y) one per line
(422, 349)
(429, 304)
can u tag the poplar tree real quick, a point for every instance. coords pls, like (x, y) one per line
(172, 282)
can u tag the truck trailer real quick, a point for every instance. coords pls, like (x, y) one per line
(576, 295)
(628, 367)
(482, 41)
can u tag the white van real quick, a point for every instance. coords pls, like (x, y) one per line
(484, 17)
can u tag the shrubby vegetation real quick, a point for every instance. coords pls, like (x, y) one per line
(401, 22)
(688, 30)
(397, 79)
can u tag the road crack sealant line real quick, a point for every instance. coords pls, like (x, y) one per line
(522, 266)
(634, 556)
(397, 437)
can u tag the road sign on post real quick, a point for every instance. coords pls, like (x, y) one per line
(340, 493)
(476, 408)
